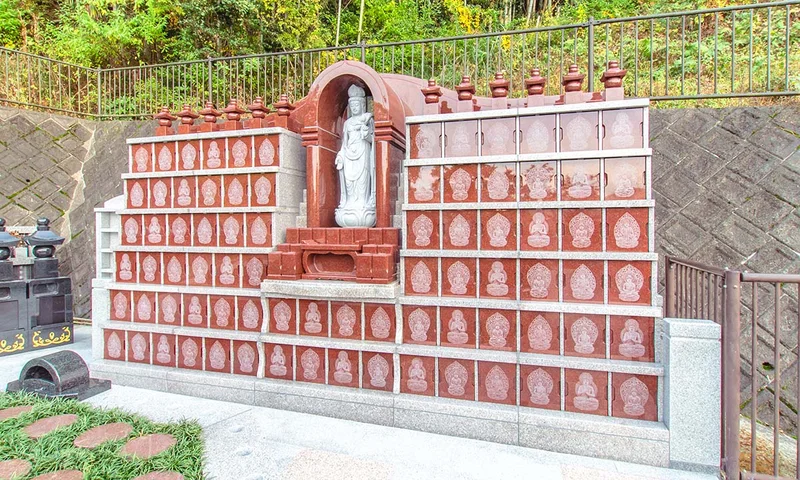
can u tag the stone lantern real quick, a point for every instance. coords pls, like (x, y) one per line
(44, 244)
(7, 243)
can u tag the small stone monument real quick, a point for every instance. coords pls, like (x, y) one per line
(59, 374)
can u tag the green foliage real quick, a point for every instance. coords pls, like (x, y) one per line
(112, 33)
(55, 451)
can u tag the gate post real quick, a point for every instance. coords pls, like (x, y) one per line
(731, 374)
(692, 393)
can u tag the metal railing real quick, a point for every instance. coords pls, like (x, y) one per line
(738, 51)
(698, 291)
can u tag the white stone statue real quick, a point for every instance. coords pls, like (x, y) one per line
(356, 164)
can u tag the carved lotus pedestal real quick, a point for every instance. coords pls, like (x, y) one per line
(353, 218)
(367, 255)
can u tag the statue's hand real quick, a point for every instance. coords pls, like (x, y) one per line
(339, 162)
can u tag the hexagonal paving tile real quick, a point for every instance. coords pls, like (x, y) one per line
(104, 433)
(161, 476)
(42, 427)
(61, 475)
(13, 469)
(14, 412)
(147, 446)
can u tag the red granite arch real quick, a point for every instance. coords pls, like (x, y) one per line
(321, 114)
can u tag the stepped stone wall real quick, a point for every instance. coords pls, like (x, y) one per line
(62, 168)
(725, 180)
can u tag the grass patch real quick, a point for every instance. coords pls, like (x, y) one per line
(55, 451)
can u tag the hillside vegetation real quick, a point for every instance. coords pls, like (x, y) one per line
(114, 33)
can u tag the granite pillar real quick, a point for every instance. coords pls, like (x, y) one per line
(692, 393)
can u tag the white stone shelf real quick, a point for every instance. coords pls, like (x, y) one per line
(213, 171)
(191, 290)
(525, 111)
(565, 307)
(331, 290)
(205, 210)
(544, 255)
(180, 249)
(530, 157)
(553, 204)
(164, 329)
(213, 135)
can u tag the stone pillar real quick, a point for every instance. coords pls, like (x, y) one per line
(692, 393)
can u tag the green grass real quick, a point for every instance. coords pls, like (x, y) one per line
(56, 452)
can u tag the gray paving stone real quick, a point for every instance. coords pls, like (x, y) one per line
(754, 164)
(9, 185)
(788, 232)
(740, 234)
(14, 214)
(22, 147)
(27, 200)
(774, 257)
(44, 188)
(678, 187)
(672, 145)
(685, 236)
(785, 184)
(693, 123)
(52, 127)
(81, 132)
(39, 139)
(744, 121)
(731, 186)
(22, 124)
(708, 210)
(765, 209)
(775, 140)
(722, 143)
(701, 165)
(69, 142)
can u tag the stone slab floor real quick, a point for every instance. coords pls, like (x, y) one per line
(255, 443)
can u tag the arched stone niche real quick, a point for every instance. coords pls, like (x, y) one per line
(322, 114)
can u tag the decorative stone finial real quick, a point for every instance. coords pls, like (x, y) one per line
(186, 115)
(7, 241)
(573, 80)
(164, 118)
(499, 86)
(210, 114)
(258, 108)
(43, 240)
(612, 77)
(283, 106)
(232, 112)
(535, 83)
(465, 89)
(432, 92)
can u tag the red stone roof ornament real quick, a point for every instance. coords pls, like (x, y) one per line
(432, 92)
(165, 120)
(186, 115)
(465, 89)
(209, 113)
(535, 83)
(573, 80)
(258, 108)
(232, 112)
(499, 86)
(612, 77)
(284, 108)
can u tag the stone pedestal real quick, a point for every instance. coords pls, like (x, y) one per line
(692, 387)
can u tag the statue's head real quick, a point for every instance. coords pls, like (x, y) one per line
(357, 100)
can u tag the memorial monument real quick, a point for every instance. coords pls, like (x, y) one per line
(392, 251)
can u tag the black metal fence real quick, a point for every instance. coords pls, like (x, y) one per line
(739, 51)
